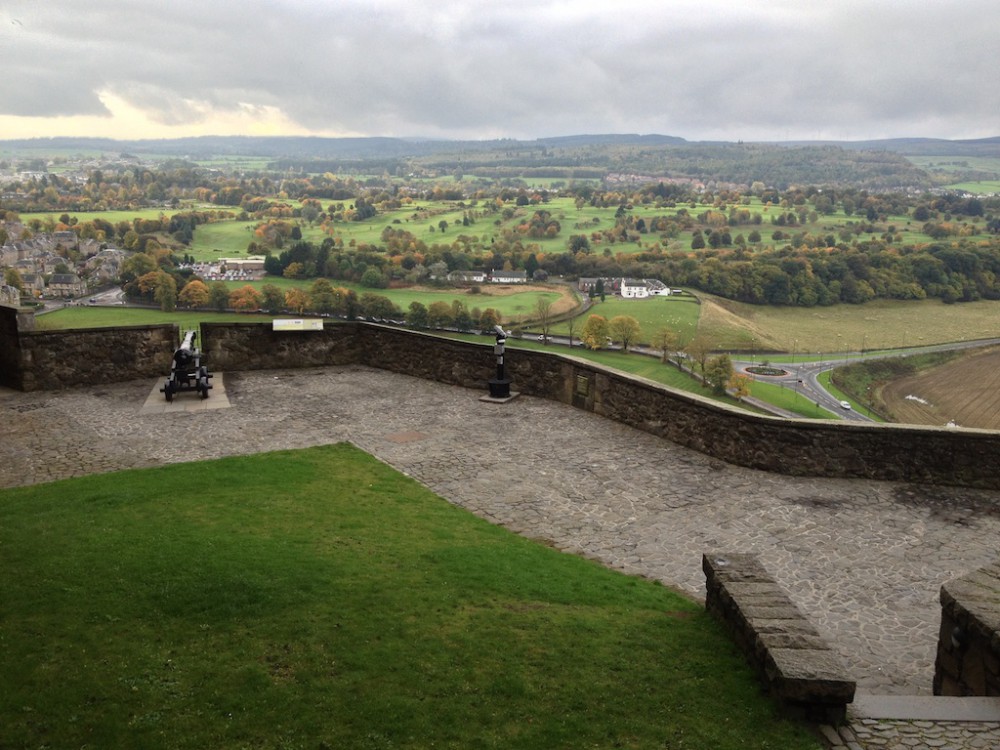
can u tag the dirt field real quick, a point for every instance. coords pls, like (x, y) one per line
(965, 391)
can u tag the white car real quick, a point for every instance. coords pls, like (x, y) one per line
(845, 404)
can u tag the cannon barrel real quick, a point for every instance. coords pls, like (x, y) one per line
(188, 343)
(187, 371)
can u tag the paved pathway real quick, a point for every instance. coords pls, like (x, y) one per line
(865, 559)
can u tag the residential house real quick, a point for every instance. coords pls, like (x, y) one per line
(467, 277)
(508, 277)
(66, 285)
(33, 285)
(106, 266)
(633, 289)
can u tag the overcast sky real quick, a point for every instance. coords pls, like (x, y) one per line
(757, 70)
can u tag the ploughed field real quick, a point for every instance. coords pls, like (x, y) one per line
(965, 391)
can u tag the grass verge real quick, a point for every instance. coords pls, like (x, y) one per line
(319, 599)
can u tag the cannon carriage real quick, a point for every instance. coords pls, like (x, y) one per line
(187, 373)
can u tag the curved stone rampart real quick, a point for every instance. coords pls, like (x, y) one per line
(924, 455)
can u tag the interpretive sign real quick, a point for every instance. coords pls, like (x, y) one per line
(298, 324)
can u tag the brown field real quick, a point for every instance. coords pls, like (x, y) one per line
(882, 324)
(965, 391)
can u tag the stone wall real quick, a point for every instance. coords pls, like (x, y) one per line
(968, 653)
(791, 658)
(10, 350)
(905, 453)
(50, 360)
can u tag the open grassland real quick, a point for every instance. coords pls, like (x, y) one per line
(678, 313)
(878, 325)
(317, 598)
(991, 187)
(423, 219)
(110, 216)
(965, 391)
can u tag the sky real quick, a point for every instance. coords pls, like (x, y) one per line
(752, 70)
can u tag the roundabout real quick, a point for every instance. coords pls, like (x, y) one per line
(767, 371)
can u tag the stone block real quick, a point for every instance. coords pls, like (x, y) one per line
(809, 676)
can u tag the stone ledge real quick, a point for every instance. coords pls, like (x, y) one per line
(968, 653)
(795, 663)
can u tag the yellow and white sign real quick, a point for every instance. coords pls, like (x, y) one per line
(298, 324)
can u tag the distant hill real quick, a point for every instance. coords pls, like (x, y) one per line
(916, 146)
(875, 165)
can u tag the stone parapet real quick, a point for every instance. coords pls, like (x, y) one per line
(904, 453)
(795, 663)
(968, 653)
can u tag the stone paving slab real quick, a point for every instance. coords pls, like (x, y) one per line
(187, 401)
(923, 708)
(864, 559)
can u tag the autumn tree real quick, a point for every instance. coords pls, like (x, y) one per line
(273, 299)
(718, 371)
(439, 314)
(12, 277)
(136, 265)
(699, 348)
(322, 296)
(488, 319)
(595, 332)
(246, 299)
(297, 300)
(543, 314)
(571, 328)
(739, 384)
(378, 306)
(625, 329)
(194, 294)
(460, 316)
(218, 296)
(165, 291)
(666, 341)
(416, 315)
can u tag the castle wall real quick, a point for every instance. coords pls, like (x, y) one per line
(925, 455)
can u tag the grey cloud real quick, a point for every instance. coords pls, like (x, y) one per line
(756, 70)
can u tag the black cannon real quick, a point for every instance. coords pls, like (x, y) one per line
(187, 373)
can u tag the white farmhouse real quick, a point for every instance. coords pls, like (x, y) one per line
(634, 289)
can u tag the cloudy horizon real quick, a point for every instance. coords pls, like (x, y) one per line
(754, 70)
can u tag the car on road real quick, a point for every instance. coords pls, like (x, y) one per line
(845, 404)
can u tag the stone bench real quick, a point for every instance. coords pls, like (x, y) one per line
(795, 663)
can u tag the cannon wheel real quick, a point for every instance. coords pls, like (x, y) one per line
(168, 391)
(203, 387)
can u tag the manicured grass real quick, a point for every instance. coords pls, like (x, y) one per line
(788, 399)
(110, 317)
(317, 598)
(678, 313)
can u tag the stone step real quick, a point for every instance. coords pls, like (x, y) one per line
(924, 708)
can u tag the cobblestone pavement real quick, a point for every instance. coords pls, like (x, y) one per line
(865, 559)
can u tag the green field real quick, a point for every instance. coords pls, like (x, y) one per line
(822, 331)
(678, 313)
(319, 599)
(112, 317)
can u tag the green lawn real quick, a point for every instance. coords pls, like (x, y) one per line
(319, 599)
(110, 317)
(678, 313)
